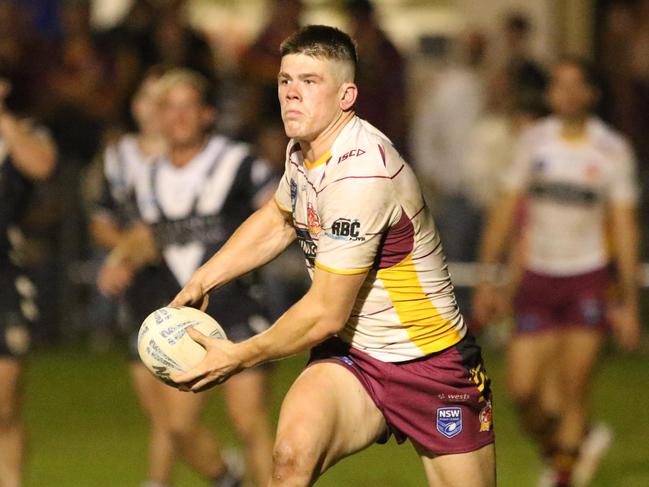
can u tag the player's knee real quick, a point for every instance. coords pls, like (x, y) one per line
(180, 431)
(293, 458)
(249, 427)
(522, 396)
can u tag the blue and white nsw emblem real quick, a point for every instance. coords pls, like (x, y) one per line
(449, 421)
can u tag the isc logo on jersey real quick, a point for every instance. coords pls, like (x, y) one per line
(345, 229)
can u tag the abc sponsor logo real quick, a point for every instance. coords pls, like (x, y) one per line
(345, 229)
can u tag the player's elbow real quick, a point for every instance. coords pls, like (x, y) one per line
(327, 328)
(43, 165)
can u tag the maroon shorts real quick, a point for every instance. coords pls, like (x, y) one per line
(441, 401)
(545, 302)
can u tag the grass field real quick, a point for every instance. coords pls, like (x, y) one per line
(85, 428)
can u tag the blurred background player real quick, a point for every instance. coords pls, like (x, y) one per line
(188, 201)
(575, 175)
(27, 155)
(114, 216)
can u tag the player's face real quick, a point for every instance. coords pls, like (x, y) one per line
(569, 94)
(309, 95)
(184, 117)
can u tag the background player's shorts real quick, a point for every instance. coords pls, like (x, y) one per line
(232, 306)
(17, 309)
(545, 302)
(441, 401)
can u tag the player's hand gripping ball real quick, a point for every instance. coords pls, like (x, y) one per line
(165, 347)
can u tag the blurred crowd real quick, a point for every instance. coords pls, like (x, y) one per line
(457, 127)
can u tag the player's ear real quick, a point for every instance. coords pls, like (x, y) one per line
(348, 94)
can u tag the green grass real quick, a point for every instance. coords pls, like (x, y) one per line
(85, 428)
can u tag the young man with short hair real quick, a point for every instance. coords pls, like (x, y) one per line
(390, 349)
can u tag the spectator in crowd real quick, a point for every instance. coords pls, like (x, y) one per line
(259, 65)
(381, 73)
(177, 45)
(440, 139)
(524, 72)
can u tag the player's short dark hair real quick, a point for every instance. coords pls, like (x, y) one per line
(589, 71)
(321, 41)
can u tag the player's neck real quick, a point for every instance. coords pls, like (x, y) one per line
(574, 127)
(315, 149)
(150, 144)
(182, 154)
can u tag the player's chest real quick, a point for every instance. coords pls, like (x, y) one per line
(577, 166)
(305, 204)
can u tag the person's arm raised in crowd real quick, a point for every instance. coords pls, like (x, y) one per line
(33, 152)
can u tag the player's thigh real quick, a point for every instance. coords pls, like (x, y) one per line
(183, 409)
(529, 356)
(328, 414)
(149, 390)
(10, 373)
(246, 395)
(577, 358)
(476, 468)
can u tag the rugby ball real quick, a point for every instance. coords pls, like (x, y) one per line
(164, 346)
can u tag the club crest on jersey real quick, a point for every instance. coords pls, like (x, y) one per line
(313, 220)
(485, 417)
(449, 421)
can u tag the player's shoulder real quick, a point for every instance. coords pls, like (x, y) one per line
(361, 150)
(607, 139)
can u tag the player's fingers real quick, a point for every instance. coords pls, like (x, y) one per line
(188, 377)
(207, 383)
(203, 340)
(179, 300)
(205, 302)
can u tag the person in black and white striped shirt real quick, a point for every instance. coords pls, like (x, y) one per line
(187, 201)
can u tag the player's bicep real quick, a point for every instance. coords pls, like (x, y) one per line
(336, 295)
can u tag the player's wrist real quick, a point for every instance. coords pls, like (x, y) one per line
(249, 353)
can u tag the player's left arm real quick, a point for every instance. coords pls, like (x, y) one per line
(624, 316)
(32, 151)
(320, 314)
(623, 193)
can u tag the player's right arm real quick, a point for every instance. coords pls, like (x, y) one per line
(33, 152)
(259, 239)
(487, 303)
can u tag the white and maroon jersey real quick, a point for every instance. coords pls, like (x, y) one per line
(357, 209)
(568, 185)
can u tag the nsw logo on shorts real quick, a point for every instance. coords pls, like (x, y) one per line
(449, 421)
